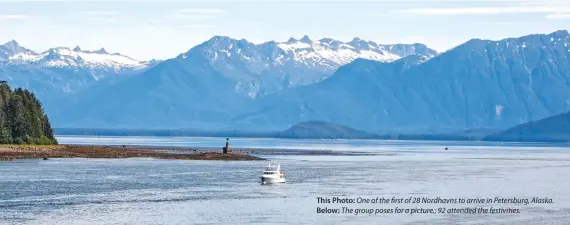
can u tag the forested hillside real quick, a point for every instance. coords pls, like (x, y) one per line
(551, 129)
(22, 119)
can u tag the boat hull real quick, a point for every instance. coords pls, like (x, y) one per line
(272, 180)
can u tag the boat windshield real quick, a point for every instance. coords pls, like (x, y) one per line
(273, 166)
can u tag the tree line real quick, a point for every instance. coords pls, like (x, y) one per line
(22, 119)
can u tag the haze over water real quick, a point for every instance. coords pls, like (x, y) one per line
(152, 191)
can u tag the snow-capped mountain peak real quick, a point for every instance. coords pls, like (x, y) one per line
(12, 45)
(270, 66)
(356, 40)
(101, 51)
(291, 40)
(64, 57)
(333, 53)
(306, 39)
(12, 48)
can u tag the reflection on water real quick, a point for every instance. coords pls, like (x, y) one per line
(152, 191)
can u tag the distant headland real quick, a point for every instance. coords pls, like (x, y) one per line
(303, 130)
(551, 129)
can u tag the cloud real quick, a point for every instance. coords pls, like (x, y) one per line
(192, 16)
(196, 14)
(99, 13)
(100, 17)
(198, 26)
(14, 17)
(197, 17)
(478, 11)
(558, 16)
(509, 23)
(201, 11)
(102, 20)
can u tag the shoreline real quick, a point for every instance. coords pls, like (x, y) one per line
(13, 152)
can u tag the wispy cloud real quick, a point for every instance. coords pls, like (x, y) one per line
(197, 14)
(477, 11)
(192, 16)
(196, 18)
(198, 26)
(102, 20)
(14, 17)
(99, 13)
(558, 16)
(509, 23)
(202, 11)
(99, 17)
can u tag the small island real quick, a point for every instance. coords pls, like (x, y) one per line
(551, 129)
(323, 130)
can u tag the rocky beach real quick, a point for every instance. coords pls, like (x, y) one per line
(11, 152)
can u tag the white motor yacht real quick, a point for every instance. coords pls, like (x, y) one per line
(273, 174)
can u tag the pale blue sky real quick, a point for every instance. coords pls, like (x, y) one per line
(153, 29)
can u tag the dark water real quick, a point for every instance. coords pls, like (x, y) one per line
(151, 191)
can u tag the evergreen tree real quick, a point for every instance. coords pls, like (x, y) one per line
(18, 118)
(22, 119)
(5, 129)
(48, 132)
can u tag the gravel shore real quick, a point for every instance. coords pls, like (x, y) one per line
(11, 152)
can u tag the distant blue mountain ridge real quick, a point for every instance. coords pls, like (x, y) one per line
(227, 84)
(479, 84)
(206, 87)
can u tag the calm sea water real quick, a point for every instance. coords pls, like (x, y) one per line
(299, 144)
(152, 191)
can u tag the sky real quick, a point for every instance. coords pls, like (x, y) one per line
(148, 29)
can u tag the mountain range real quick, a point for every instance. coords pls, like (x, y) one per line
(273, 66)
(479, 84)
(59, 73)
(225, 84)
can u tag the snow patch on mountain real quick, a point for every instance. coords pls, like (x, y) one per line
(11, 48)
(60, 72)
(337, 52)
(260, 69)
(524, 78)
(62, 57)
